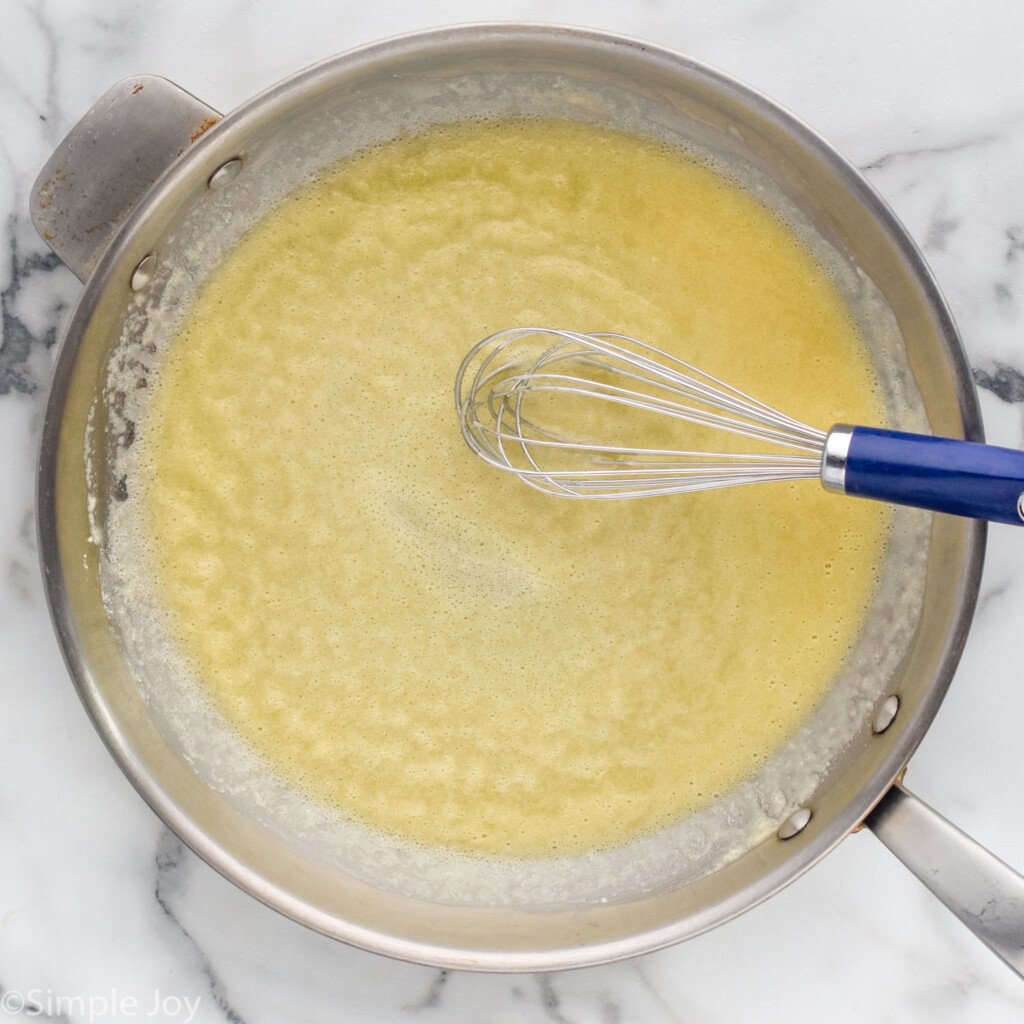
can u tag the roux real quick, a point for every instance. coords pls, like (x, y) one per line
(419, 641)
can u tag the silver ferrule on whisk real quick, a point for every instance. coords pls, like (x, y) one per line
(834, 457)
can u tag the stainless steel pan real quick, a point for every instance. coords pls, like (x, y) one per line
(118, 195)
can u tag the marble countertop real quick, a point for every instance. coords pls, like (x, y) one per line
(101, 905)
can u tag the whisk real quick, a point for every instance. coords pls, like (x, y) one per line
(563, 412)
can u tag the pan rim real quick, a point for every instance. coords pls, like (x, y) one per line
(273, 102)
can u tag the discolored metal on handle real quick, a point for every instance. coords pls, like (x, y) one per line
(107, 163)
(984, 893)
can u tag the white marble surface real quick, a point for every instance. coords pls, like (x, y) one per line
(98, 901)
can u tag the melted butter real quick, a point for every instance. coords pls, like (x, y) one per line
(425, 644)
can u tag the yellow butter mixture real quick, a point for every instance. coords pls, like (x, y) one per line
(422, 643)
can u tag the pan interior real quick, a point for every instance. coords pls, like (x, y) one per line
(277, 162)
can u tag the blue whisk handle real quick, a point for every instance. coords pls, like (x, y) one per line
(960, 477)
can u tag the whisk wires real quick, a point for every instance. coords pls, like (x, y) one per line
(561, 410)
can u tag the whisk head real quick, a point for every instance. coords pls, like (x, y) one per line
(595, 416)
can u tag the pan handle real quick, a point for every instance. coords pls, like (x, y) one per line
(98, 174)
(986, 894)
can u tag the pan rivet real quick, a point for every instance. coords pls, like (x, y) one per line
(143, 273)
(885, 713)
(225, 173)
(795, 823)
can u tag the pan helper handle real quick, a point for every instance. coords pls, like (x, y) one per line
(108, 162)
(960, 477)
